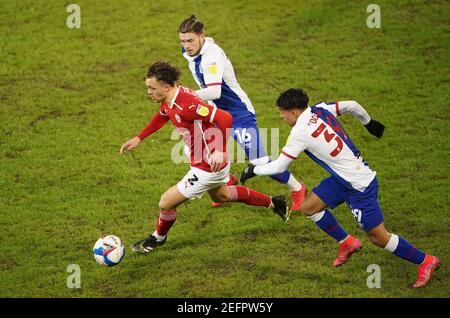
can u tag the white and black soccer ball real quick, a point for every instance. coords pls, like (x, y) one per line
(109, 250)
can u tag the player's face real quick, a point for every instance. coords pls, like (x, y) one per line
(289, 116)
(192, 42)
(156, 90)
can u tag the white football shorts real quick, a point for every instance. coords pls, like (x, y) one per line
(197, 181)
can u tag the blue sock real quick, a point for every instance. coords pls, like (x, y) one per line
(282, 177)
(327, 223)
(402, 248)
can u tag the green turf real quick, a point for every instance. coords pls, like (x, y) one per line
(70, 97)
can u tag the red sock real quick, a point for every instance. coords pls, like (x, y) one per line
(249, 196)
(165, 221)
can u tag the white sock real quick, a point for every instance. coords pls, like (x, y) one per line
(293, 184)
(159, 237)
(316, 217)
(391, 246)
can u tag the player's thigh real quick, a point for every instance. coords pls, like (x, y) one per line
(330, 193)
(365, 207)
(171, 199)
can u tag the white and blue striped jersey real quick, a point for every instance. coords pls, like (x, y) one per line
(212, 67)
(322, 138)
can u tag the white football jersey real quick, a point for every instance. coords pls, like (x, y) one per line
(321, 137)
(212, 67)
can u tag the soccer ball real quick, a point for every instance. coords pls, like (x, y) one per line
(109, 250)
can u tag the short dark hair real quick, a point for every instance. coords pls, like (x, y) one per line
(165, 72)
(191, 25)
(293, 98)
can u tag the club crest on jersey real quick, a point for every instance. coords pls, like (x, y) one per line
(212, 68)
(178, 119)
(202, 110)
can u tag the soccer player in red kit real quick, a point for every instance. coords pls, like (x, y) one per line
(205, 130)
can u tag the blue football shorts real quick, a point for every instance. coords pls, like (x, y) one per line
(364, 205)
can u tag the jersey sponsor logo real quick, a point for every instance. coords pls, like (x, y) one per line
(202, 110)
(212, 68)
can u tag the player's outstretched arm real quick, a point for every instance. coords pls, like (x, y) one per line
(271, 168)
(356, 110)
(130, 144)
(158, 121)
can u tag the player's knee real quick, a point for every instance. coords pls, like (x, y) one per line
(164, 203)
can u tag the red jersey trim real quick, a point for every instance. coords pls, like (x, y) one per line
(288, 155)
(337, 108)
(213, 84)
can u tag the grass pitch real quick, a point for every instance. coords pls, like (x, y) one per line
(70, 97)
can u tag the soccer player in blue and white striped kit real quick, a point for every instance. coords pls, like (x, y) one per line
(317, 133)
(214, 74)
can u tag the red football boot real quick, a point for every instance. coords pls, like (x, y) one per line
(426, 269)
(346, 249)
(298, 197)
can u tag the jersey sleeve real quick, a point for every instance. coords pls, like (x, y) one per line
(294, 145)
(331, 107)
(213, 65)
(156, 123)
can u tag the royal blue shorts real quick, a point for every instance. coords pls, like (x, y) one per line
(249, 138)
(363, 205)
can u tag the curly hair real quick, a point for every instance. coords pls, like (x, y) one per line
(165, 72)
(293, 98)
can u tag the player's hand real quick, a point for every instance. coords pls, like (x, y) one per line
(130, 144)
(247, 173)
(375, 128)
(218, 161)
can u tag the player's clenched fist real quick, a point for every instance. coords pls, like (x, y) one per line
(130, 144)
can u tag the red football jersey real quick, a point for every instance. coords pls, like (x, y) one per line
(194, 120)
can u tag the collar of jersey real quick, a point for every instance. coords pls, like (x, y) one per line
(305, 115)
(174, 98)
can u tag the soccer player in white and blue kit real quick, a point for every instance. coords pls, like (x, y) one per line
(214, 74)
(318, 134)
